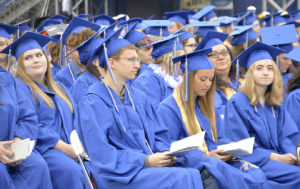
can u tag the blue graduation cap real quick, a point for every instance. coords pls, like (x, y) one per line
(134, 36)
(295, 15)
(108, 30)
(28, 41)
(287, 17)
(294, 54)
(83, 16)
(286, 47)
(184, 35)
(102, 19)
(297, 24)
(243, 35)
(190, 13)
(59, 18)
(279, 35)
(226, 21)
(177, 16)
(122, 19)
(205, 14)
(47, 22)
(158, 27)
(76, 25)
(248, 18)
(7, 30)
(165, 46)
(196, 60)
(23, 26)
(273, 19)
(211, 39)
(107, 48)
(204, 27)
(133, 22)
(257, 51)
(86, 48)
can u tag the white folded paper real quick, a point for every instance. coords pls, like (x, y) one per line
(240, 148)
(187, 144)
(21, 148)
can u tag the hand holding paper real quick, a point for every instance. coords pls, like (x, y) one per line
(21, 149)
(187, 144)
(240, 148)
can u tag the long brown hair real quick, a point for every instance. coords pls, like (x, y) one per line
(206, 104)
(274, 93)
(53, 86)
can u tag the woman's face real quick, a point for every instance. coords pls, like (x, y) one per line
(126, 65)
(190, 45)
(3, 44)
(35, 63)
(284, 63)
(221, 59)
(263, 72)
(203, 80)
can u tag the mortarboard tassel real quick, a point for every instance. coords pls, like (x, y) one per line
(186, 80)
(175, 54)
(247, 36)
(108, 66)
(61, 62)
(8, 60)
(237, 73)
(160, 33)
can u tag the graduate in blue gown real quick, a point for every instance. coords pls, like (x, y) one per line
(188, 112)
(121, 131)
(256, 111)
(158, 82)
(55, 113)
(226, 84)
(292, 102)
(19, 121)
(5, 35)
(93, 72)
(77, 32)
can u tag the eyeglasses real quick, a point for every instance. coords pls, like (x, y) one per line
(191, 46)
(217, 54)
(131, 60)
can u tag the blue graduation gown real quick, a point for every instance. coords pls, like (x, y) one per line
(68, 74)
(171, 116)
(272, 134)
(115, 142)
(18, 119)
(153, 86)
(292, 105)
(220, 98)
(82, 84)
(55, 69)
(54, 124)
(286, 77)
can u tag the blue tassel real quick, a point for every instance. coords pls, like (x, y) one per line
(108, 66)
(8, 60)
(186, 80)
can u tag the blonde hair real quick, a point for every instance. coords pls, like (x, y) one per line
(206, 104)
(274, 93)
(53, 86)
(166, 60)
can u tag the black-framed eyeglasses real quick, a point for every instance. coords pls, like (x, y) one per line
(217, 54)
(131, 60)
